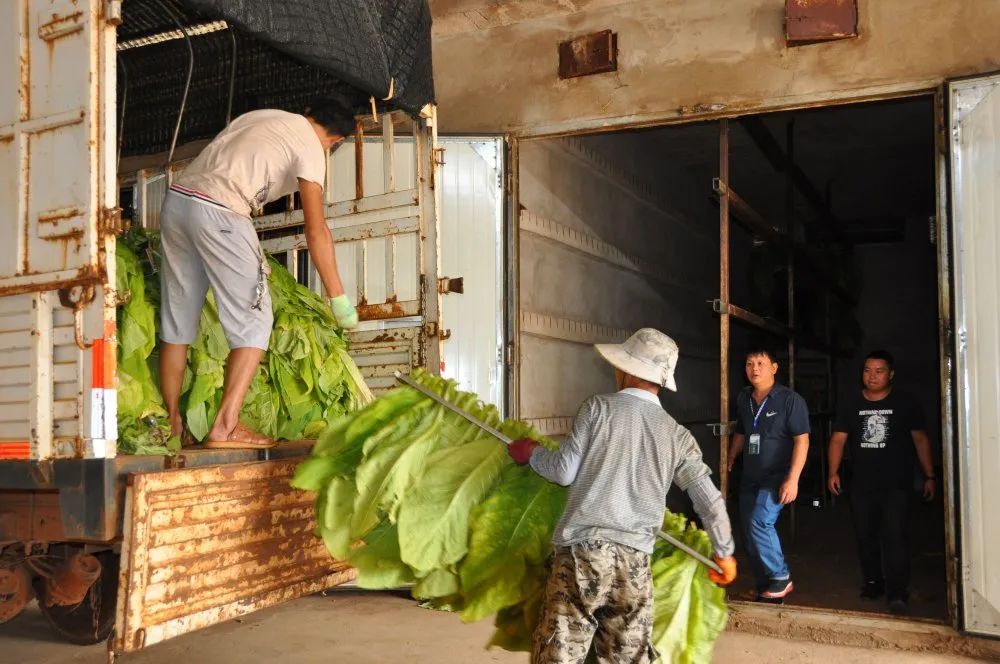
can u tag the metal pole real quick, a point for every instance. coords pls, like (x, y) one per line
(724, 297)
(187, 83)
(790, 250)
(507, 441)
(232, 80)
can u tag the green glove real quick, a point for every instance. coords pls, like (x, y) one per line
(344, 312)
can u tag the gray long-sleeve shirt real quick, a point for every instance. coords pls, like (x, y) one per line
(620, 459)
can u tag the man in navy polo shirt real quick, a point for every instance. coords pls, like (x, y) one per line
(772, 430)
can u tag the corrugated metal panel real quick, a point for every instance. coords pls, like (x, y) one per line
(15, 368)
(204, 545)
(975, 116)
(52, 131)
(67, 385)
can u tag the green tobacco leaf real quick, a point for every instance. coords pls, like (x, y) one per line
(378, 562)
(511, 530)
(333, 516)
(689, 611)
(389, 469)
(434, 518)
(439, 583)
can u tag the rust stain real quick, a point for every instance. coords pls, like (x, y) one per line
(212, 543)
(58, 215)
(380, 311)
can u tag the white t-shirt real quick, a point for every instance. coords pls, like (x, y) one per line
(257, 159)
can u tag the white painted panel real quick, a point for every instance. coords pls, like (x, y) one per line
(975, 116)
(471, 248)
(57, 55)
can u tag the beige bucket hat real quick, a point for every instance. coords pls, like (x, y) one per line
(648, 354)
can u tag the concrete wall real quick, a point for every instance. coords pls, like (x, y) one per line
(496, 62)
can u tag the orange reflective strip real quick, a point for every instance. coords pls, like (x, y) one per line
(102, 370)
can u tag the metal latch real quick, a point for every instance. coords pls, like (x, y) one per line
(723, 429)
(439, 156)
(451, 285)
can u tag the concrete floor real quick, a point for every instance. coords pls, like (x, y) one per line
(369, 628)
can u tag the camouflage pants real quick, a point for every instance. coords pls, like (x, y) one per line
(601, 592)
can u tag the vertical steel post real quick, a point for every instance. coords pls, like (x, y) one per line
(724, 297)
(359, 160)
(790, 252)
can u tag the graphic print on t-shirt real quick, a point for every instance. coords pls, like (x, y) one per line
(876, 429)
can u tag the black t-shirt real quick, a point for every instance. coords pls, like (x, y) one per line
(879, 433)
(777, 420)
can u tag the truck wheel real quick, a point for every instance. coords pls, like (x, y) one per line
(92, 620)
(15, 591)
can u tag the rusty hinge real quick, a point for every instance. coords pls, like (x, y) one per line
(451, 285)
(431, 329)
(439, 156)
(113, 12)
(110, 222)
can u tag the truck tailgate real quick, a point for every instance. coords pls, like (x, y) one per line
(204, 545)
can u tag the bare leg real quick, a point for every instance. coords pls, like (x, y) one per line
(241, 366)
(173, 360)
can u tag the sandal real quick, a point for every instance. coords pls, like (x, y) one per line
(242, 438)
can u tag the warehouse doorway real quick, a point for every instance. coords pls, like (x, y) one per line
(813, 232)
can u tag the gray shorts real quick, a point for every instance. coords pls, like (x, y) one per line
(206, 245)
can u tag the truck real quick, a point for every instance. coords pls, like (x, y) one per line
(110, 100)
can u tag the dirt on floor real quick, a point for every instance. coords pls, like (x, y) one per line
(822, 556)
(381, 628)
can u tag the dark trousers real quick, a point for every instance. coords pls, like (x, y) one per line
(882, 526)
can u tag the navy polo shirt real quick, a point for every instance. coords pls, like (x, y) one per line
(784, 415)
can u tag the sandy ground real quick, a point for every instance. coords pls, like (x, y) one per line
(369, 628)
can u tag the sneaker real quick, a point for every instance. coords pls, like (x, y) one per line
(872, 590)
(777, 589)
(898, 606)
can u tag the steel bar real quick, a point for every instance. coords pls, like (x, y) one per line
(187, 83)
(455, 409)
(790, 274)
(406, 380)
(729, 309)
(359, 160)
(744, 213)
(724, 297)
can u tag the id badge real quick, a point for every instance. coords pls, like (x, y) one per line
(753, 448)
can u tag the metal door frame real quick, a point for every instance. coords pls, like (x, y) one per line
(874, 94)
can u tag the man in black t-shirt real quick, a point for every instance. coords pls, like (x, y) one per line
(886, 430)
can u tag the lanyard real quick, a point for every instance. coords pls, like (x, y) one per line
(756, 416)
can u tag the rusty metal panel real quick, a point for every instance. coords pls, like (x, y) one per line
(590, 54)
(810, 21)
(204, 545)
(54, 188)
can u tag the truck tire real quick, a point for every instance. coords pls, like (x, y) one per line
(92, 620)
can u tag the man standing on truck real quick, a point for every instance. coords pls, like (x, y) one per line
(209, 240)
(619, 461)
(886, 430)
(772, 430)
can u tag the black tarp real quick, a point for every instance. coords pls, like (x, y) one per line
(377, 46)
(285, 52)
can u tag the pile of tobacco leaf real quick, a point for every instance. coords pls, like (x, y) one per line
(408, 492)
(305, 380)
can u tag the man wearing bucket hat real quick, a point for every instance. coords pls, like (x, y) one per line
(619, 461)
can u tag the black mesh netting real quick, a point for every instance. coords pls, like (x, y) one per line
(287, 52)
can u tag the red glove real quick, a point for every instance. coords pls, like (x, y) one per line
(520, 450)
(728, 565)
